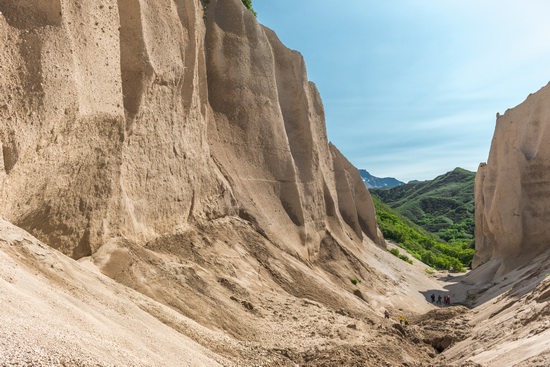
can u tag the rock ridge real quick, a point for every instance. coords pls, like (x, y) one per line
(513, 186)
(180, 148)
(130, 118)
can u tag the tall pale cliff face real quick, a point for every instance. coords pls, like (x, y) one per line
(132, 119)
(512, 189)
(267, 114)
(104, 120)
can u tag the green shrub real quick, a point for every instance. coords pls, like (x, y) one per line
(355, 281)
(395, 252)
(248, 4)
(405, 258)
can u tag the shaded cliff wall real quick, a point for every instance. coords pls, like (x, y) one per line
(118, 122)
(355, 202)
(512, 189)
(268, 114)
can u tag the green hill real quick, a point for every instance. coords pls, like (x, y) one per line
(443, 206)
(421, 244)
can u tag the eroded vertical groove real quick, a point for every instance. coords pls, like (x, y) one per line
(186, 14)
(9, 156)
(132, 53)
(29, 14)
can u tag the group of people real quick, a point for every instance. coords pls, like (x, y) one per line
(446, 299)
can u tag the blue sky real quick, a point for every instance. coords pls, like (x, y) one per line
(411, 87)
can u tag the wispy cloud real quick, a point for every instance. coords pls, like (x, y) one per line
(411, 88)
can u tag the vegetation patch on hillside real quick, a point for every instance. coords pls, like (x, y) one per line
(248, 4)
(443, 206)
(403, 257)
(419, 243)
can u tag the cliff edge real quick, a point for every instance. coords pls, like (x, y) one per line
(513, 186)
(130, 118)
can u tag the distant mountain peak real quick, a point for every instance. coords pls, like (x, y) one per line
(374, 182)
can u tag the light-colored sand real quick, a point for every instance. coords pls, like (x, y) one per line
(56, 310)
(511, 320)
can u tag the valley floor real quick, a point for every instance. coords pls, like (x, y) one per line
(55, 311)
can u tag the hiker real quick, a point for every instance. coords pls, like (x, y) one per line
(449, 300)
(439, 299)
(433, 298)
(401, 319)
(386, 314)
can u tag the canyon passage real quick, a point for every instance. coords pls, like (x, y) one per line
(169, 197)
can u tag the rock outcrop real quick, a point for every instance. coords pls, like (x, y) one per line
(512, 189)
(180, 145)
(130, 118)
(266, 113)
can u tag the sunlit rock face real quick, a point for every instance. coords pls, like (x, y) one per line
(513, 188)
(104, 120)
(132, 118)
(266, 113)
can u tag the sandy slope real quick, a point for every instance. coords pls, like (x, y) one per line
(56, 311)
(511, 320)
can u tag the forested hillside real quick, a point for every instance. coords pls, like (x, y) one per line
(423, 245)
(443, 206)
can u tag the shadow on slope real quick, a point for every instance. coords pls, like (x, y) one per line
(479, 286)
(218, 274)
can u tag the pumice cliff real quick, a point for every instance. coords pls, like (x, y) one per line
(512, 188)
(267, 113)
(104, 121)
(179, 145)
(130, 118)
(169, 197)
